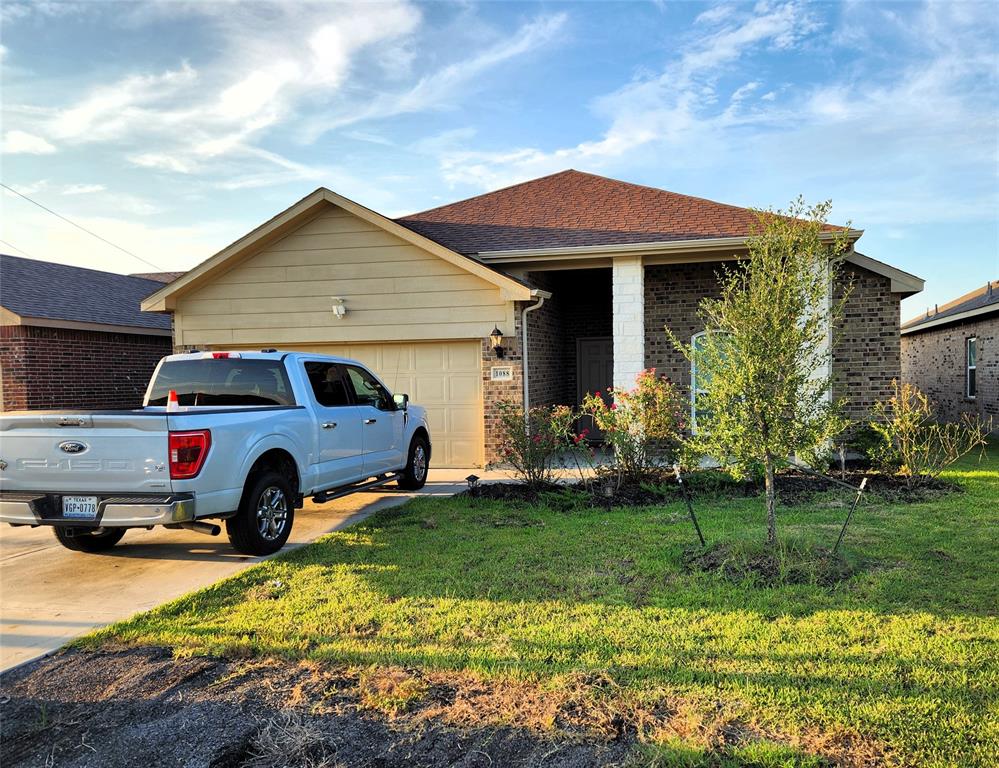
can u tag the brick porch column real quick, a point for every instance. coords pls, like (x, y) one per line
(628, 278)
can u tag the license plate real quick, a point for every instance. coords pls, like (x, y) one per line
(79, 507)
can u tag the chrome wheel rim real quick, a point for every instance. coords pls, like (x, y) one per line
(272, 513)
(419, 462)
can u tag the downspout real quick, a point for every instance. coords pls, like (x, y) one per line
(523, 346)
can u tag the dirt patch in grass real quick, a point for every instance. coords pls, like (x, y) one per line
(141, 706)
(771, 566)
(793, 487)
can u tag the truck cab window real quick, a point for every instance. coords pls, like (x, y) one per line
(368, 390)
(328, 384)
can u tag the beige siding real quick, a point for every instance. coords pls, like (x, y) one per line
(394, 291)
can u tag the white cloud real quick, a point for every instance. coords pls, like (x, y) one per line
(892, 142)
(435, 89)
(110, 112)
(82, 189)
(162, 162)
(23, 143)
(665, 108)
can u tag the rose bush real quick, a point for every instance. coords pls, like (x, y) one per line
(644, 426)
(533, 445)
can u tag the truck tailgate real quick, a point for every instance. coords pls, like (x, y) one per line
(96, 451)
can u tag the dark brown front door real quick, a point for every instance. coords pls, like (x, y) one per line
(594, 372)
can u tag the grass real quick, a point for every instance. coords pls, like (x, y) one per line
(896, 665)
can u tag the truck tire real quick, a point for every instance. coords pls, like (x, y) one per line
(88, 539)
(266, 512)
(414, 477)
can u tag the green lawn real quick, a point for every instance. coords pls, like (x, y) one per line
(899, 663)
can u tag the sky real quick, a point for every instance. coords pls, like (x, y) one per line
(171, 128)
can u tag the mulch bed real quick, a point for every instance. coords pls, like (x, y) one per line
(793, 487)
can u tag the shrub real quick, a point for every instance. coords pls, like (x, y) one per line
(532, 445)
(912, 444)
(643, 426)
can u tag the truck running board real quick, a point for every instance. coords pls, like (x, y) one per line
(335, 493)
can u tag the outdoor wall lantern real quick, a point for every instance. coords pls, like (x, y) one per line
(496, 340)
(339, 310)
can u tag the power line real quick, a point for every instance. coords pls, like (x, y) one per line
(11, 245)
(78, 226)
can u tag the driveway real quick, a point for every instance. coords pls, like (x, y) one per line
(49, 595)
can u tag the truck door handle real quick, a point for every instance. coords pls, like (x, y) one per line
(370, 421)
(329, 425)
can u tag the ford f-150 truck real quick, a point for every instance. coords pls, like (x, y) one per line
(242, 437)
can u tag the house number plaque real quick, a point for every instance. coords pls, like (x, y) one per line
(501, 373)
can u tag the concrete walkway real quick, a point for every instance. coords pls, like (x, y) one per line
(50, 595)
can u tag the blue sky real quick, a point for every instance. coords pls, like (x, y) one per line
(172, 128)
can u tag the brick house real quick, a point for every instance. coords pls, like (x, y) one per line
(73, 337)
(593, 266)
(952, 354)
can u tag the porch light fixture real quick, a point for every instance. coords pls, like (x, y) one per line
(339, 310)
(496, 340)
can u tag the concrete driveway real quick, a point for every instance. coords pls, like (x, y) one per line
(49, 595)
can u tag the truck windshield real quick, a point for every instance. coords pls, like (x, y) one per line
(225, 381)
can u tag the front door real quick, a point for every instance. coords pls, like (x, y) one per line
(594, 373)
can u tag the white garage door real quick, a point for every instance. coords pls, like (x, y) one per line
(445, 377)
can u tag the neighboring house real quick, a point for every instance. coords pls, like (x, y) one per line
(75, 338)
(596, 266)
(952, 355)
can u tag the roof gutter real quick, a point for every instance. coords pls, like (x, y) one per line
(955, 318)
(663, 246)
(541, 296)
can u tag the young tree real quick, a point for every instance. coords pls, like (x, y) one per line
(762, 366)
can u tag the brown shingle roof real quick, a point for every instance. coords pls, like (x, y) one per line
(572, 208)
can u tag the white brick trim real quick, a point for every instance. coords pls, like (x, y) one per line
(628, 302)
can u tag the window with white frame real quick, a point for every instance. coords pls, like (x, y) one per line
(971, 361)
(699, 379)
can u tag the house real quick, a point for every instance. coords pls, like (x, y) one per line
(577, 273)
(75, 338)
(952, 354)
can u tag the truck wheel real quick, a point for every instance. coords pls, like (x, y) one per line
(414, 476)
(266, 513)
(88, 539)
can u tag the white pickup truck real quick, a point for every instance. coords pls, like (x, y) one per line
(242, 437)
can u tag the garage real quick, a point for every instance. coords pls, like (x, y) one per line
(443, 376)
(332, 277)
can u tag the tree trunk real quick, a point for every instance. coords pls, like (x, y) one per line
(768, 466)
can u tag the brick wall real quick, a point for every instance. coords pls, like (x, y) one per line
(934, 360)
(59, 368)
(545, 339)
(494, 392)
(866, 346)
(866, 354)
(673, 293)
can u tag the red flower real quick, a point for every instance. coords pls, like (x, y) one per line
(613, 406)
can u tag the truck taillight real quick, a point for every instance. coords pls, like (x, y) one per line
(187, 453)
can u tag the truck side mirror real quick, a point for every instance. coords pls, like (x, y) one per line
(401, 402)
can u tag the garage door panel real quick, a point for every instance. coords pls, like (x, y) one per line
(431, 389)
(463, 419)
(431, 358)
(444, 377)
(464, 357)
(463, 387)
